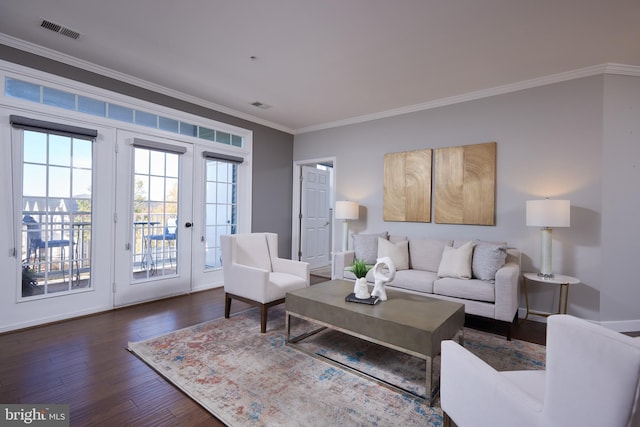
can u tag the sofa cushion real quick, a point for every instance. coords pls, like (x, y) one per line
(474, 289)
(425, 254)
(365, 246)
(414, 280)
(456, 262)
(487, 259)
(398, 252)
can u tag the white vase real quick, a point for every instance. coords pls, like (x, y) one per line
(361, 289)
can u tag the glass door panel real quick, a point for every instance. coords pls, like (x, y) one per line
(155, 213)
(56, 213)
(153, 230)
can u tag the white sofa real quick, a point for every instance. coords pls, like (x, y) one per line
(486, 279)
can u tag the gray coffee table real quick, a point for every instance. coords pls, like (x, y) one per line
(409, 323)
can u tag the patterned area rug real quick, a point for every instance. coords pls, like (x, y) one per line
(245, 378)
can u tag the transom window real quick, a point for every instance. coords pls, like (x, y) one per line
(40, 94)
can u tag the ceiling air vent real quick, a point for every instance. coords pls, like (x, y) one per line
(261, 105)
(60, 29)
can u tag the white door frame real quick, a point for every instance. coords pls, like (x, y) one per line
(295, 205)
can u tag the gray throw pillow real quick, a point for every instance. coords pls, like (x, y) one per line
(487, 260)
(366, 246)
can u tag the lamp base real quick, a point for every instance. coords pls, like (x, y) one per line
(546, 275)
(345, 235)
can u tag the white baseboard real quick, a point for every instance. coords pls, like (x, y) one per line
(614, 325)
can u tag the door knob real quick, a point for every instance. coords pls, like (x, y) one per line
(188, 224)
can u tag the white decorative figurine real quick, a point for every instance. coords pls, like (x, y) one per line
(361, 289)
(381, 277)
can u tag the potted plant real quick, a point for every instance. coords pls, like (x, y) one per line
(360, 269)
(29, 281)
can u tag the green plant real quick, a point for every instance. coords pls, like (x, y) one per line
(359, 268)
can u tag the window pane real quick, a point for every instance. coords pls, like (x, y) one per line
(22, 90)
(171, 190)
(58, 98)
(221, 193)
(141, 190)
(156, 188)
(173, 162)
(82, 153)
(223, 172)
(118, 112)
(188, 129)
(35, 147)
(59, 182)
(34, 180)
(146, 119)
(81, 183)
(142, 161)
(169, 125)
(223, 138)
(60, 150)
(156, 162)
(208, 134)
(92, 106)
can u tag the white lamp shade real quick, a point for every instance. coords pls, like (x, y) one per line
(548, 213)
(347, 210)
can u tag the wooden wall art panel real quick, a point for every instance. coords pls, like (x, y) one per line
(465, 184)
(407, 186)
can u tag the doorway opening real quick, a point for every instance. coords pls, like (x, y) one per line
(312, 228)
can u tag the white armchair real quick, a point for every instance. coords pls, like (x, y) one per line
(254, 274)
(592, 378)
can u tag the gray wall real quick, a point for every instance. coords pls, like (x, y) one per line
(551, 141)
(620, 295)
(272, 149)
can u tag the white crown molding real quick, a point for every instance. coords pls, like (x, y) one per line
(107, 72)
(621, 69)
(608, 68)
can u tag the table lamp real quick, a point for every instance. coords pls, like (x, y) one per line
(346, 210)
(547, 214)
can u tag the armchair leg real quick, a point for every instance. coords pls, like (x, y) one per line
(446, 420)
(227, 305)
(263, 318)
(263, 307)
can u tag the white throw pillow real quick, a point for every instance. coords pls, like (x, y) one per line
(398, 252)
(456, 262)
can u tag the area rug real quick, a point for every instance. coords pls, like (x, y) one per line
(245, 378)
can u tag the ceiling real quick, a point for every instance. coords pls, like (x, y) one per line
(319, 63)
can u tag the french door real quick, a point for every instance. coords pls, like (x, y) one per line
(154, 224)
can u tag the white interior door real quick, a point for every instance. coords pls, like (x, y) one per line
(153, 218)
(316, 218)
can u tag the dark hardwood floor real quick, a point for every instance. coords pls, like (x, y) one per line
(84, 363)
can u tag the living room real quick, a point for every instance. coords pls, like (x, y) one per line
(564, 135)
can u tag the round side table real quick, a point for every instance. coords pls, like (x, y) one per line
(558, 279)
